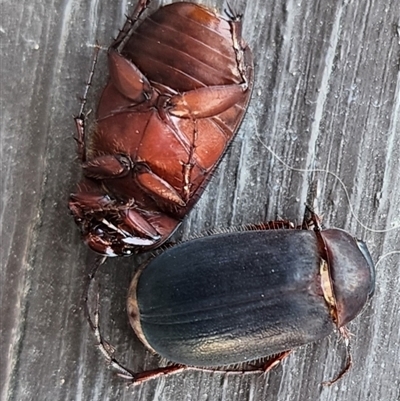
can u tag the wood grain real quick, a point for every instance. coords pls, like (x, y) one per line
(326, 102)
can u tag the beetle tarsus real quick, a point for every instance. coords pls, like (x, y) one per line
(80, 119)
(139, 378)
(130, 23)
(238, 46)
(275, 361)
(232, 14)
(314, 221)
(349, 359)
(79, 138)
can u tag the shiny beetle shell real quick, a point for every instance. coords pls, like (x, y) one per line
(178, 90)
(241, 296)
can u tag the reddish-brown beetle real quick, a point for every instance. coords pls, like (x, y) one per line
(179, 86)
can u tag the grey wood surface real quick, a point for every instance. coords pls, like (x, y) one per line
(326, 102)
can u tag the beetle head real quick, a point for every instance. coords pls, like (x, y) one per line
(352, 273)
(108, 227)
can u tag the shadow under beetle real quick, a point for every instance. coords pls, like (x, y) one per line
(246, 295)
(178, 89)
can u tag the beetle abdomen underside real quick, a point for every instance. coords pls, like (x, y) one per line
(196, 48)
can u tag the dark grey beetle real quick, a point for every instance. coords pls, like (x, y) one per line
(240, 296)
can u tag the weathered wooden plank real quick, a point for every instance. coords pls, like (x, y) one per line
(326, 97)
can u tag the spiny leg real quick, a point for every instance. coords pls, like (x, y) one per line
(104, 346)
(188, 167)
(129, 23)
(81, 117)
(274, 361)
(349, 360)
(311, 219)
(237, 42)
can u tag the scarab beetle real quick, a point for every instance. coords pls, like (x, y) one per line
(240, 296)
(178, 89)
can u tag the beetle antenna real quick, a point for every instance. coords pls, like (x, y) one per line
(385, 256)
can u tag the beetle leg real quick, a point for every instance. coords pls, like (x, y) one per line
(80, 137)
(349, 360)
(98, 244)
(107, 166)
(130, 22)
(238, 46)
(137, 223)
(205, 102)
(312, 222)
(104, 346)
(127, 78)
(276, 360)
(80, 119)
(188, 167)
(152, 374)
(126, 237)
(88, 199)
(159, 187)
(141, 377)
